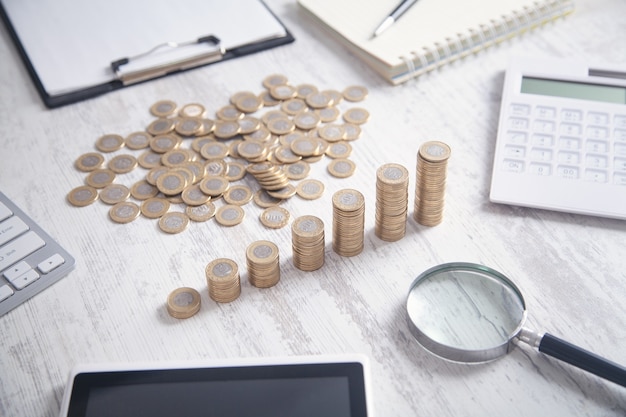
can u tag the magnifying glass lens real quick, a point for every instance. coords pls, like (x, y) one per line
(464, 312)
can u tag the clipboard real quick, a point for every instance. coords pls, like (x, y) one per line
(75, 50)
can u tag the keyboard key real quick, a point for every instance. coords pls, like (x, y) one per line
(11, 228)
(620, 164)
(543, 126)
(571, 158)
(518, 109)
(539, 154)
(571, 129)
(568, 172)
(25, 280)
(509, 165)
(572, 144)
(620, 120)
(571, 115)
(595, 175)
(519, 138)
(596, 132)
(514, 151)
(545, 112)
(4, 212)
(596, 161)
(619, 179)
(5, 292)
(518, 123)
(19, 249)
(543, 140)
(17, 270)
(598, 146)
(51, 263)
(540, 169)
(598, 118)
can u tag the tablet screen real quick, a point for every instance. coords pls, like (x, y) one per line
(295, 390)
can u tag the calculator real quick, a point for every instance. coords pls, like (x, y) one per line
(561, 141)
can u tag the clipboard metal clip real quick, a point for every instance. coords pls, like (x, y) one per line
(167, 58)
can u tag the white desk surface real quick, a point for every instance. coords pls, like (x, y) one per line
(571, 268)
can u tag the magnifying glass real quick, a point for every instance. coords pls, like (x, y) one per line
(468, 313)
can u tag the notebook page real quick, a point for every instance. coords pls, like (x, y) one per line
(71, 43)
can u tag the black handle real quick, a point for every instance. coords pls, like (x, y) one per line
(579, 357)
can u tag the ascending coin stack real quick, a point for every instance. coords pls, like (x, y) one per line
(183, 303)
(222, 277)
(307, 241)
(263, 264)
(348, 222)
(430, 182)
(392, 199)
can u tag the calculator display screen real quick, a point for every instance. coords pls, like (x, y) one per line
(577, 90)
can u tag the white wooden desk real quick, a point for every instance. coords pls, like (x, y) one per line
(111, 307)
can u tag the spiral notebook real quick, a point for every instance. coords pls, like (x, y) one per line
(431, 33)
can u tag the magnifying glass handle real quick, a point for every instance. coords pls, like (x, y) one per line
(583, 359)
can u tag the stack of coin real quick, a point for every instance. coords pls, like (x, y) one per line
(392, 201)
(307, 242)
(263, 264)
(183, 303)
(222, 277)
(348, 222)
(430, 182)
(269, 176)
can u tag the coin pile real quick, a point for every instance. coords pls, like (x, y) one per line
(192, 157)
(348, 222)
(307, 242)
(222, 277)
(183, 303)
(430, 182)
(263, 264)
(392, 200)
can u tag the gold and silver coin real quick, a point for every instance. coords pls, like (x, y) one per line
(298, 170)
(149, 159)
(122, 164)
(283, 193)
(163, 108)
(310, 189)
(138, 140)
(164, 143)
(274, 217)
(339, 149)
(143, 190)
(262, 260)
(173, 222)
(229, 215)
(82, 196)
(214, 185)
(308, 243)
(430, 182)
(192, 110)
(183, 303)
(161, 126)
(171, 183)
(348, 222)
(341, 167)
(355, 93)
(262, 199)
(273, 80)
(193, 196)
(154, 207)
(124, 212)
(109, 143)
(200, 213)
(89, 162)
(223, 281)
(392, 182)
(189, 126)
(100, 178)
(238, 195)
(114, 193)
(356, 115)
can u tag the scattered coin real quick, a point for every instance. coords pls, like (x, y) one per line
(114, 193)
(341, 168)
(154, 207)
(100, 178)
(229, 215)
(109, 143)
(163, 108)
(238, 195)
(124, 212)
(171, 183)
(173, 222)
(143, 190)
(183, 303)
(274, 217)
(138, 140)
(122, 164)
(356, 115)
(310, 189)
(89, 161)
(82, 196)
(200, 213)
(355, 93)
(192, 110)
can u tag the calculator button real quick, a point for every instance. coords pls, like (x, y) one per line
(620, 164)
(620, 149)
(597, 118)
(5, 292)
(595, 175)
(516, 137)
(598, 146)
(543, 126)
(620, 120)
(518, 123)
(518, 109)
(540, 169)
(51, 263)
(539, 154)
(514, 151)
(545, 112)
(620, 134)
(596, 161)
(25, 279)
(570, 115)
(619, 179)
(571, 129)
(543, 140)
(16, 270)
(569, 157)
(596, 132)
(510, 165)
(568, 143)
(567, 172)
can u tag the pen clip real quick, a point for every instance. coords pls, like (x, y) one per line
(206, 50)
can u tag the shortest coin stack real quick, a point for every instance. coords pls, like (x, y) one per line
(183, 303)
(222, 276)
(348, 222)
(263, 264)
(392, 200)
(430, 182)
(307, 234)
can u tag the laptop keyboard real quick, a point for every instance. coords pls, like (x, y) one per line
(30, 260)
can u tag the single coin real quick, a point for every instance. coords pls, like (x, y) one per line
(319, 100)
(193, 196)
(306, 89)
(214, 186)
(341, 168)
(214, 150)
(89, 161)
(109, 143)
(200, 141)
(273, 80)
(200, 213)
(207, 127)
(100, 178)
(285, 155)
(161, 126)
(306, 120)
(163, 108)
(262, 199)
(283, 193)
(226, 129)
(238, 195)
(229, 113)
(192, 110)
(293, 106)
(355, 93)
(328, 114)
(149, 160)
(305, 146)
(173, 222)
(274, 217)
(332, 132)
(268, 100)
(435, 151)
(252, 150)
(339, 149)
(335, 96)
(248, 125)
(235, 171)
(248, 103)
(310, 189)
(154, 207)
(356, 115)
(283, 91)
(183, 303)
(82, 196)
(163, 143)
(122, 164)
(229, 215)
(143, 190)
(176, 157)
(189, 126)
(124, 212)
(171, 183)
(298, 170)
(353, 132)
(262, 134)
(216, 168)
(281, 126)
(114, 193)
(138, 140)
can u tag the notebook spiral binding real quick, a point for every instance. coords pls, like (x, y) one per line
(477, 39)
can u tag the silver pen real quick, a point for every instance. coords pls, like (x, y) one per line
(394, 16)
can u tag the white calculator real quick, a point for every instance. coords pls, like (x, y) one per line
(561, 141)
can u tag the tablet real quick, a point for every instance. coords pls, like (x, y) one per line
(291, 387)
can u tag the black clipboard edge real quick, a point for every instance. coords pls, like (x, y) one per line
(59, 100)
